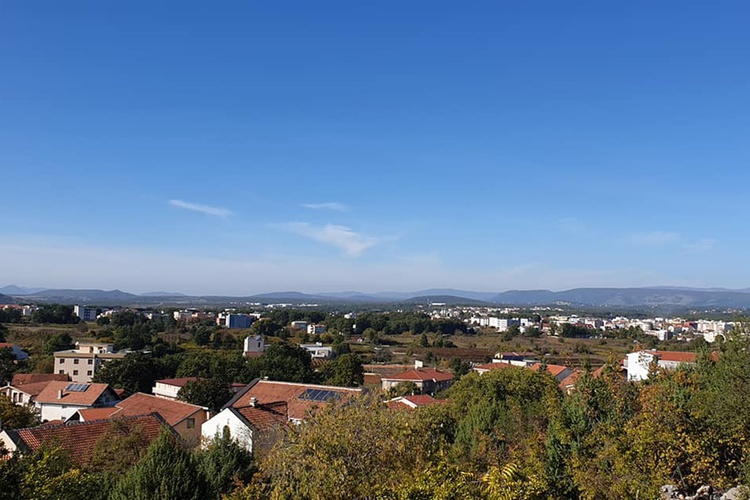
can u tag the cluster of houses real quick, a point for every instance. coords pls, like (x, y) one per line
(77, 414)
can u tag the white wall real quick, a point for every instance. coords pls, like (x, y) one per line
(58, 412)
(214, 427)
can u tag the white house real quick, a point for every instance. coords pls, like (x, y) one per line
(639, 363)
(254, 426)
(316, 329)
(60, 400)
(169, 387)
(318, 350)
(253, 346)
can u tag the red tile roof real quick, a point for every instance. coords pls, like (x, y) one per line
(555, 370)
(412, 402)
(32, 390)
(177, 382)
(372, 379)
(80, 438)
(421, 375)
(173, 412)
(569, 382)
(20, 379)
(265, 416)
(678, 357)
(86, 398)
(268, 391)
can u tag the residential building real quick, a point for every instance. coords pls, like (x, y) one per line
(24, 388)
(81, 363)
(318, 350)
(412, 402)
(301, 399)
(79, 439)
(638, 364)
(186, 419)
(60, 400)
(253, 346)
(255, 426)
(560, 372)
(316, 329)
(170, 387)
(298, 325)
(427, 380)
(85, 313)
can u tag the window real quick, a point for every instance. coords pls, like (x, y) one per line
(91, 361)
(61, 372)
(190, 423)
(75, 361)
(75, 372)
(62, 360)
(89, 373)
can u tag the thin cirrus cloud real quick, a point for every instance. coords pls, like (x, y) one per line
(204, 209)
(654, 238)
(352, 243)
(331, 205)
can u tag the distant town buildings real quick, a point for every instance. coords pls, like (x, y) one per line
(85, 313)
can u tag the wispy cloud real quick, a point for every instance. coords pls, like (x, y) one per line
(331, 205)
(702, 245)
(204, 209)
(351, 242)
(654, 238)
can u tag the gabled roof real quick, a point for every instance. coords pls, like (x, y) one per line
(20, 379)
(89, 414)
(177, 382)
(80, 438)
(32, 390)
(268, 391)
(173, 412)
(678, 357)
(84, 398)
(570, 381)
(412, 402)
(263, 416)
(555, 370)
(421, 375)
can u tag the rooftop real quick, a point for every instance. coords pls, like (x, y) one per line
(173, 412)
(421, 375)
(72, 394)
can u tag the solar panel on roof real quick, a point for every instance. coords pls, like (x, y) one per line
(77, 387)
(320, 395)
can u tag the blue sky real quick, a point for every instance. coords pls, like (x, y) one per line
(246, 147)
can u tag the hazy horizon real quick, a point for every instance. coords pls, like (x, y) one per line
(257, 147)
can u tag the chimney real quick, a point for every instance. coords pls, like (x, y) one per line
(59, 394)
(254, 402)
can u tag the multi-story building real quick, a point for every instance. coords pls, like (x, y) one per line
(81, 363)
(86, 313)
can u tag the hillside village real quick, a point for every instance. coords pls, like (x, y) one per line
(86, 395)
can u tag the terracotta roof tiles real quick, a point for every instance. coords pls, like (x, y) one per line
(421, 375)
(173, 412)
(80, 438)
(20, 379)
(85, 398)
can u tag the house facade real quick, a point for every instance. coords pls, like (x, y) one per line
(427, 380)
(638, 364)
(60, 400)
(81, 363)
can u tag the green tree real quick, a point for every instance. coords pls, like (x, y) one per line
(167, 471)
(3, 333)
(224, 463)
(57, 342)
(284, 362)
(136, 372)
(15, 416)
(344, 371)
(211, 393)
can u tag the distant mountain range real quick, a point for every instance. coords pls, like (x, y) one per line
(660, 296)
